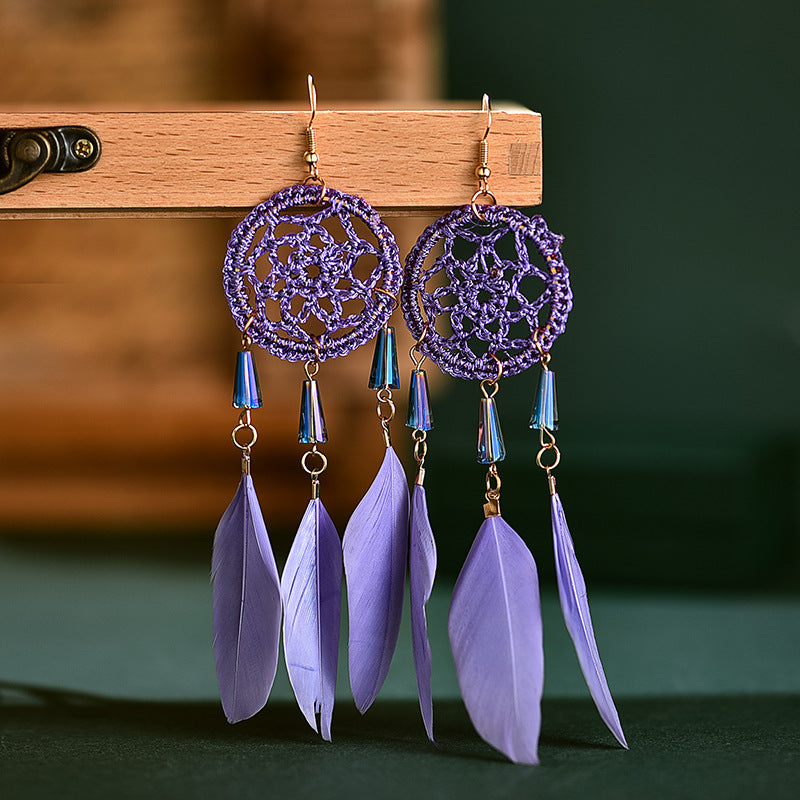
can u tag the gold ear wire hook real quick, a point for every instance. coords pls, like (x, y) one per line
(486, 107)
(482, 171)
(312, 99)
(310, 156)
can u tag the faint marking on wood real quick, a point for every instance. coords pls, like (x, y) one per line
(523, 158)
(221, 161)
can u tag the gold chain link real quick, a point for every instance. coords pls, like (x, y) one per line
(314, 472)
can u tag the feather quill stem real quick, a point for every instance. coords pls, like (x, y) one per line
(311, 587)
(575, 606)
(375, 549)
(495, 628)
(422, 569)
(246, 606)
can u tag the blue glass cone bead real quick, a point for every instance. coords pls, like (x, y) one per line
(491, 447)
(420, 416)
(312, 420)
(385, 373)
(246, 388)
(545, 408)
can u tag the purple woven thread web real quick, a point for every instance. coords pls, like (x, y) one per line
(321, 274)
(486, 296)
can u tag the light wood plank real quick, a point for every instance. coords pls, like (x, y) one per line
(223, 162)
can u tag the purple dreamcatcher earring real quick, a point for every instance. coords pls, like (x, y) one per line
(472, 314)
(285, 273)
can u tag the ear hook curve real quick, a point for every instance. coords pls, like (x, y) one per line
(486, 107)
(312, 99)
(483, 171)
(310, 156)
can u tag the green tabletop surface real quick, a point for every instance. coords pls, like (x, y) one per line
(108, 690)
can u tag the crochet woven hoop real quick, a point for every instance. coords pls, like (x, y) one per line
(286, 270)
(484, 295)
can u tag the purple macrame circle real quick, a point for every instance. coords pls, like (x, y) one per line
(306, 261)
(487, 294)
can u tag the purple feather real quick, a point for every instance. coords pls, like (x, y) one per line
(422, 568)
(375, 553)
(575, 605)
(495, 628)
(247, 606)
(312, 597)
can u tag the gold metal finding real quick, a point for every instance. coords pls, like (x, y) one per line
(310, 156)
(486, 107)
(419, 436)
(544, 356)
(395, 304)
(312, 365)
(420, 451)
(245, 446)
(548, 446)
(489, 382)
(482, 171)
(476, 206)
(491, 507)
(420, 445)
(385, 398)
(417, 357)
(547, 438)
(493, 382)
(415, 349)
(314, 472)
(247, 339)
(312, 99)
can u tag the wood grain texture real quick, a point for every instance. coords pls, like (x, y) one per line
(116, 345)
(223, 162)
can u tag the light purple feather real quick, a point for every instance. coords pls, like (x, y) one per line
(495, 628)
(422, 569)
(575, 605)
(312, 597)
(375, 553)
(247, 606)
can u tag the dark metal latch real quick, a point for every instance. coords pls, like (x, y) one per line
(27, 152)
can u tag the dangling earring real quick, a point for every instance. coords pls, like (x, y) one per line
(495, 618)
(421, 544)
(310, 278)
(571, 585)
(492, 329)
(375, 543)
(247, 599)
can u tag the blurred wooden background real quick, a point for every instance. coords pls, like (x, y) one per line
(116, 344)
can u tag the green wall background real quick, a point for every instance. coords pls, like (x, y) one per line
(671, 166)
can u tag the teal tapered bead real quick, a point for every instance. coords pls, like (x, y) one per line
(420, 416)
(545, 408)
(312, 420)
(385, 373)
(491, 447)
(246, 388)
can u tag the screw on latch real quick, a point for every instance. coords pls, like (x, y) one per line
(27, 152)
(83, 148)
